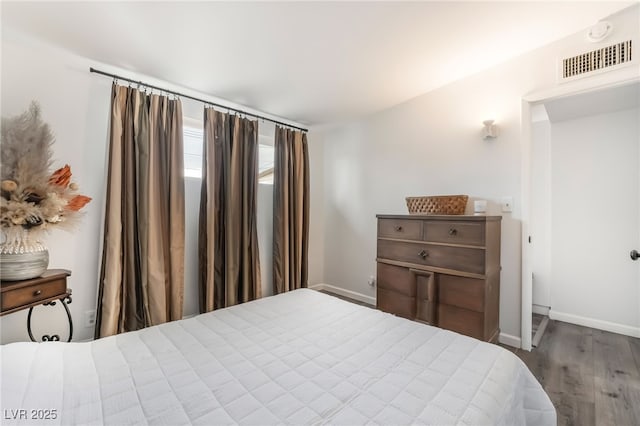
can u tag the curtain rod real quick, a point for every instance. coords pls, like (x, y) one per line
(117, 77)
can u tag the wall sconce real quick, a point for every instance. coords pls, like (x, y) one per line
(490, 130)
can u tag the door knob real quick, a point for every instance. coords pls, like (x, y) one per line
(634, 255)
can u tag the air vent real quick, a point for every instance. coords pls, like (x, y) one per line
(599, 59)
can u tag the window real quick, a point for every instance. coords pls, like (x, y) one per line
(265, 160)
(193, 137)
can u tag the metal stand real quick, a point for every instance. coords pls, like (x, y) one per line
(64, 301)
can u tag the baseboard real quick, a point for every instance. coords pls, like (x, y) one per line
(317, 287)
(541, 310)
(613, 327)
(346, 293)
(509, 340)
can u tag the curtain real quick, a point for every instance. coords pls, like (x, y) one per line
(142, 271)
(229, 266)
(290, 210)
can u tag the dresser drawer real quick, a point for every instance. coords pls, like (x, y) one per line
(462, 292)
(455, 232)
(457, 258)
(403, 229)
(396, 278)
(396, 303)
(33, 293)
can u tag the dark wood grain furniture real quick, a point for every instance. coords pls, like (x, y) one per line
(47, 290)
(442, 270)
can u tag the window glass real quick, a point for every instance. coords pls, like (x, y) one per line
(192, 138)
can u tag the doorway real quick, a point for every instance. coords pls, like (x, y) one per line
(584, 211)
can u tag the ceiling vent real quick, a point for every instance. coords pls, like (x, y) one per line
(598, 60)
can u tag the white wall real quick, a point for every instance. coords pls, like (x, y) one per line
(595, 220)
(75, 104)
(432, 145)
(316, 208)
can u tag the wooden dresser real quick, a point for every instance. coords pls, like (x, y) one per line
(442, 270)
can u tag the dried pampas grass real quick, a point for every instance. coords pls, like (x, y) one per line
(31, 196)
(26, 148)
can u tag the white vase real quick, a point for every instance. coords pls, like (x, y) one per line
(22, 257)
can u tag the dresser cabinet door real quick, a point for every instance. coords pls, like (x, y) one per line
(461, 304)
(461, 320)
(396, 291)
(396, 279)
(467, 293)
(396, 303)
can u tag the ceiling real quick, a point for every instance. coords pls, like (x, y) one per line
(594, 102)
(310, 62)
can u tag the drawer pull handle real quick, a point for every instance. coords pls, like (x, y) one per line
(37, 292)
(398, 228)
(423, 254)
(453, 231)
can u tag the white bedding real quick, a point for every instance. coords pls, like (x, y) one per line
(299, 358)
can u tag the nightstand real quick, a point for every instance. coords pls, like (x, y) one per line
(46, 290)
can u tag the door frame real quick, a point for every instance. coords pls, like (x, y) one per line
(605, 81)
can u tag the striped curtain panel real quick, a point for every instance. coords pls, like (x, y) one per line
(229, 264)
(142, 272)
(290, 210)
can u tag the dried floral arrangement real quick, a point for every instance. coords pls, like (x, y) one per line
(32, 197)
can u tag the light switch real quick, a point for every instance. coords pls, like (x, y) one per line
(507, 204)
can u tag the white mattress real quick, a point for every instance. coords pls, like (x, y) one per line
(299, 358)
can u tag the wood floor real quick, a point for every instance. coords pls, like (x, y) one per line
(591, 376)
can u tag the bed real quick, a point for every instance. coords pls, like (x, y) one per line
(302, 357)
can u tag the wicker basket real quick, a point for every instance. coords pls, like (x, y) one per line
(437, 204)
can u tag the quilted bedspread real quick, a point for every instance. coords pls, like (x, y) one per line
(298, 358)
